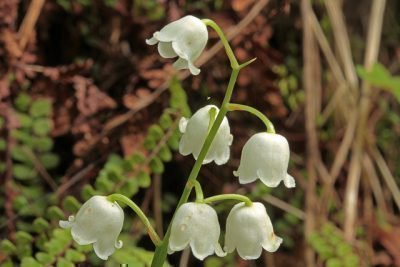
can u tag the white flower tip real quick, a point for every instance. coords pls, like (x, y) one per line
(272, 243)
(65, 224)
(182, 124)
(152, 41)
(289, 181)
(193, 69)
(118, 244)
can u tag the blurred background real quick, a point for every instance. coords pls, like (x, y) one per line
(86, 108)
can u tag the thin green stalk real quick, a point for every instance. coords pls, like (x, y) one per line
(150, 230)
(261, 116)
(161, 251)
(228, 49)
(240, 198)
(199, 191)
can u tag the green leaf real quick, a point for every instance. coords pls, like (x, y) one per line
(156, 132)
(334, 262)
(173, 141)
(22, 136)
(24, 120)
(7, 246)
(71, 204)
(20, 202)
(40, 108)
(30, 262)
(23, 238)
(103, 184)
(74, 256)
(49, 160)
(166, 121)
(165, 153)
(22, 102)
(64, 263)
(1, 122)
(7, 263)
(42, 126)
(24, 250)
(54, 213)
(130, 188)
(144, 179)
(19, 153)
(42, 144)
(149, 142)
(137, 158)
(40, 225)
(3, 145)
(44, 258)
(88, 191)
(379, 76)
(23, 172)
(156, 165)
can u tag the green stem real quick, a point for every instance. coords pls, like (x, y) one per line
(240, 198)
(150, 230)
(228, 49)
(261, 116)
(199, 191)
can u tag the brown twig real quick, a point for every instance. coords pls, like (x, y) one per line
(39, 167)
(311, 79)
(353, 179)
(29, 22)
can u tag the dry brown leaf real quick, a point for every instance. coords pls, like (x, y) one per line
(90, 99)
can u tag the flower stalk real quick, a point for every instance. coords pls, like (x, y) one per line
(150, 230)
(161, 250)
(222, 197)
(257, 113)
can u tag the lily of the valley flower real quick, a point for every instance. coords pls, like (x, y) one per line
(185, 38)
(98, 222)
(265, 156)
(196, 224)
(195, 131)
(249, 230)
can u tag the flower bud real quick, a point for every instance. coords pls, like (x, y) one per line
(185, 38)
(98, 222)
(195, 131)
(249, 230)
(265, 156)
(197, 225)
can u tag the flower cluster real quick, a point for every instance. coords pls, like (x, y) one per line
(206, 135)
(248, 229)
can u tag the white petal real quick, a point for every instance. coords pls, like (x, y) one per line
(165, 50)
(193, 69)
(289, 181)
(272, 242)
(151, 41)
(105, 247)
(180, 64)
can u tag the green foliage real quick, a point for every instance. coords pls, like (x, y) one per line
(39, 240)
(288, 85)
(379, 76)
(332, 248)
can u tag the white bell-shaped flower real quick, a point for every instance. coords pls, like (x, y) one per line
(185, 38)
(195, 131)
(249, 230)
(197, 225)
(265, 156)
(98, 222)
